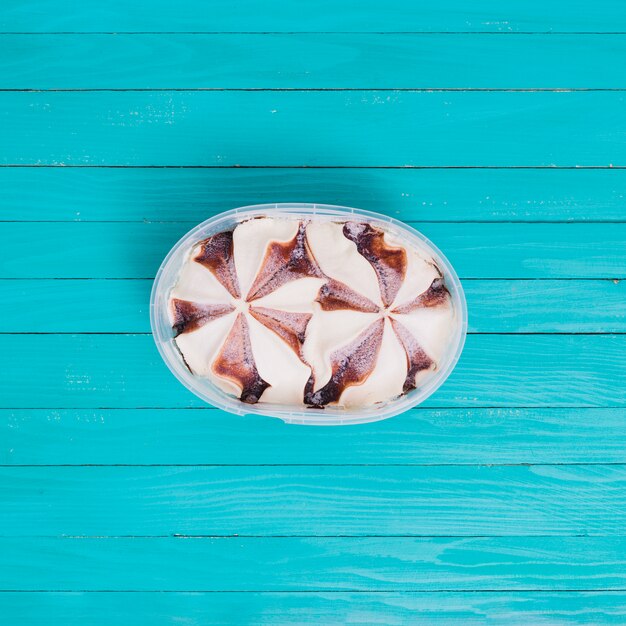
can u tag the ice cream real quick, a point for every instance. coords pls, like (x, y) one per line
(311, 313)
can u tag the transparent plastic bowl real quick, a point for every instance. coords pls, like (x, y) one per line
(162, 331)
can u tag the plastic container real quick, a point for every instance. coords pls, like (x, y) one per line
(205, 389)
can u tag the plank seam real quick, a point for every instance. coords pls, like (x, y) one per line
(210, 408)
(323, 590)
(316, 32)
(528, 465)
(406, 221)
(469, 332)
(317, 89)
(466, 278)
(132, 166)
(180, 536)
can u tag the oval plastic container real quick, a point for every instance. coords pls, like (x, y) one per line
(205, 389)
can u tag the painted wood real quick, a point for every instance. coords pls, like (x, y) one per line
(303, 501)
(548, 484)
(209, 436)
(495, 306)
(166, 61)
(77, 305)
(136, 250)
(193, 195)
(313, 15)
(343, 128)
(313, 564)
(273, 609)
(126, 371)
(546, 306)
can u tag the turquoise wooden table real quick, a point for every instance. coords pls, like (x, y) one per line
(497, 128)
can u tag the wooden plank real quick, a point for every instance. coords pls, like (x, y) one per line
(546, 306)
(135, 250)
(77, 305)
(313, 564)
(169, 61)
(341, 128)
(193, 195)
(126, 371)
(420, 436)
(314, 501)
(332, 609)
(313, 15)
(495, 306)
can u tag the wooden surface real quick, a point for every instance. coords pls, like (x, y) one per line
(497, 129)
(125, 371)
(315, 128)
(486, 16)
(312, 60)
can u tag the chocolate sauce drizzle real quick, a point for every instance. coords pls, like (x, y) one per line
(284, 262)
(436, 295)
(417, 359)
(289, 326)
(350, 365)
(235, 362)
(189, 316)
(216, 254)
(388, 263)
(335, 296)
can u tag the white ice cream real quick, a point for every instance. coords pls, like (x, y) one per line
(287, 364)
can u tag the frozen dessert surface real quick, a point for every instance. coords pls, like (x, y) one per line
(316, 313)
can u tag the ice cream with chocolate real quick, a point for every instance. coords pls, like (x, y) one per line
(313, 313)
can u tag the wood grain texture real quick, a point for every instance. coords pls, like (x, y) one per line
(313, 15)
(303, 501)
(281, 609)
(311, 61)
(500, 501)
(495, 306)
(313, 564)
(546, 306)
(209, 436)
(193, 195)
(136, 250)
(126, 371)
(225, 128)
